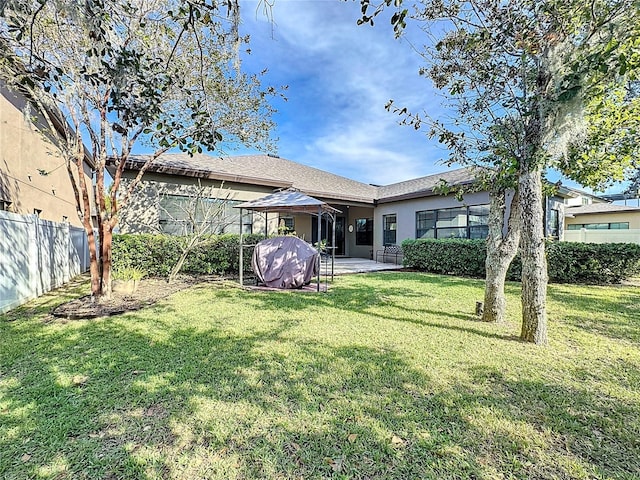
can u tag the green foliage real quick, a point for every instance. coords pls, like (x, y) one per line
(571, 262)
(568, 262)
(608, 150)
(166, 75)
(128, 273)
(448, 257)
(157, 254)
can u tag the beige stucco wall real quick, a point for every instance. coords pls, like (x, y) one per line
(304, 227)
(353, 214)
(23, 152)
(632, 217)
(142, 213)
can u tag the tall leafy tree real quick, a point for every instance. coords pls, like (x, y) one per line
(516, 73)
(107, 75)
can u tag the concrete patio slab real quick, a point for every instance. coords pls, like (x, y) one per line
(345, 265)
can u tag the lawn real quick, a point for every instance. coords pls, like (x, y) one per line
(387, 376)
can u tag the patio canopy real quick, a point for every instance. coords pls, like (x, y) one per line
(292, 201)
(289, 200)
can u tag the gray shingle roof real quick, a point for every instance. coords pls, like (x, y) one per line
(423, 186)
(599, 208)
(280, 172)
(263, 169)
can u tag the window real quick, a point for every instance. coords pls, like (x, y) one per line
(5, 205)
(458, 222)
(619, 226)
(554, 223)
(389, 226)
(37, 211)
(65, 219)
(364, 231)
(452, 223)
(478, 221)
(286, 225)
(247, 223)
(426, 224)
(599, 226)
(180, 215)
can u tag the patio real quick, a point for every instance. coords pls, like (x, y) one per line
(346, 265)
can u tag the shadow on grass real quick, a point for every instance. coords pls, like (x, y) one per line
(146, 397)
(616, 318)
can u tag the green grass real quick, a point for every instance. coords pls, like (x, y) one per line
(387, 376)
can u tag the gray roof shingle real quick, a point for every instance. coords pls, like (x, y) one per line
(599, 208)
(262, 169)
(423, 186)
(283, 173)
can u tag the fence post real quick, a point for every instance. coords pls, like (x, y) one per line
(33, 251)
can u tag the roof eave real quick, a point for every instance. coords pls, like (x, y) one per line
(226, 177)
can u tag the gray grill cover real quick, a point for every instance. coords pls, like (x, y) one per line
(284, 262)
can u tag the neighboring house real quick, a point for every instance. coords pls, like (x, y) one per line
(371, 216)
(602, 223)
(33, 174)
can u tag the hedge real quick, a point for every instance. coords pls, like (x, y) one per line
(156, 254)
(568, 262)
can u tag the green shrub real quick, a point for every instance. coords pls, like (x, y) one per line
(156, 254)
(127, 273)
(572, 262)
(568, 262)
(463, 258)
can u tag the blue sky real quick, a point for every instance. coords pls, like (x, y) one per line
(340, 76)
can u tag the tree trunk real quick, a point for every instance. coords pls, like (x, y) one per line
(534, 262)
(105, 248)
(501, 248)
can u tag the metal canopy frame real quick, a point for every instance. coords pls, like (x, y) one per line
(291, 201)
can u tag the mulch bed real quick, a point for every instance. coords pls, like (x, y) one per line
(149, 292)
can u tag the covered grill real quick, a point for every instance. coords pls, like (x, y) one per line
(284, 262)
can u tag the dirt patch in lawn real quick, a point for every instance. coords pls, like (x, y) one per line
(149, 292)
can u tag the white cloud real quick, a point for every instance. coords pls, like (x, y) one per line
(340, 76)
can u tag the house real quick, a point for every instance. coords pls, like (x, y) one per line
(370, 216)
(33, 173)
(602, 223)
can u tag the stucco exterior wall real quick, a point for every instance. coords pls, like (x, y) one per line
(305, 223)
(24, 152)
(142, 213)
(405, 211)
(632, 217)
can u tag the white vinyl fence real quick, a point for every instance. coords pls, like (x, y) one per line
(37, 256)
(602, 236)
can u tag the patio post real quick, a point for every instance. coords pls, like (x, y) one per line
(334, 217)
(241, 254)
(319, 236)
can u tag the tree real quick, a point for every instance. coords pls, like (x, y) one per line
(502, 246)
(605, 148)
(513, 73)
(202, 212)
(503, 233)
(114, 74)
